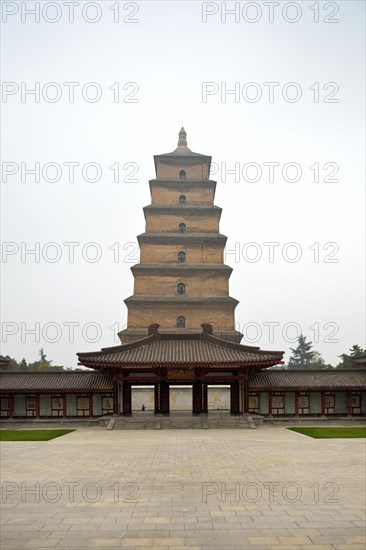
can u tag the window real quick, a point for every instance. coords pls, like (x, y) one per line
(181, 288)
(182, 175)
(182, 199)
(181, 322)
(182, 228)
(181, 257)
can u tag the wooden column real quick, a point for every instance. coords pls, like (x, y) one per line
(234, 397)
(91, 404)
(120, 398)
(204, 398)
(64, 411)
(323, 402)
(199, 398)
(127, 398)
(196, 397)
(37, 406)
(349, 403)
(11, 405)
(269, 403)
(165, 401)
(246, 397)
(296, 403)
(115, 397)
(161, 398)
(157, 398)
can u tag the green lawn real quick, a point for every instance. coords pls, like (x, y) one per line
(31, 435)
(330, 433)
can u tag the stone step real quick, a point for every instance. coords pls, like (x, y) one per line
(128, 425)
(174, 423)
(183, 420)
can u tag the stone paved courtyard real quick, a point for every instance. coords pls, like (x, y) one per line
(199, 489)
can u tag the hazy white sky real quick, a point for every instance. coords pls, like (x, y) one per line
(151, 75)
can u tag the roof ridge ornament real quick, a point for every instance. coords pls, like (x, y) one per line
(153, 328)
(207, 329)
(182, 141)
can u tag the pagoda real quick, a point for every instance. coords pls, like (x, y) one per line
(181, 281)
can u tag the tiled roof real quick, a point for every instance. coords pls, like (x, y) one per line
(182, 238)
(165, 349)
(186, 184)
(181, 268)
(308, 380)
(28, 382)
(21, 382)
(181, 300)
(179, 208)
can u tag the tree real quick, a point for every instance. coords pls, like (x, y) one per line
(318, 363)
(44, 363)
(43, 356)
(356, 351)
(346, 363)
(302, 356)
(41, 365)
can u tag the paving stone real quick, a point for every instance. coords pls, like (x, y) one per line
(274, 532)
(294, 540)
(328, 540)
(112, 526)
(58, 528)
(136, 543)
(356, 539)
(263, 540)
(41, 543)
(74, 543)
(167, 543)
(83, 527)
(103, 543)
(181, 481)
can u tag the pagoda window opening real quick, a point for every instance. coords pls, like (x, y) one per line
(182, 228)
(181, 257)
(181, 322)
(181, 289)
(182, 199)
(182, 175)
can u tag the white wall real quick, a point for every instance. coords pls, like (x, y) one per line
(181, 398)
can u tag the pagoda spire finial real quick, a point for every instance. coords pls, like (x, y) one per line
(182, 141)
